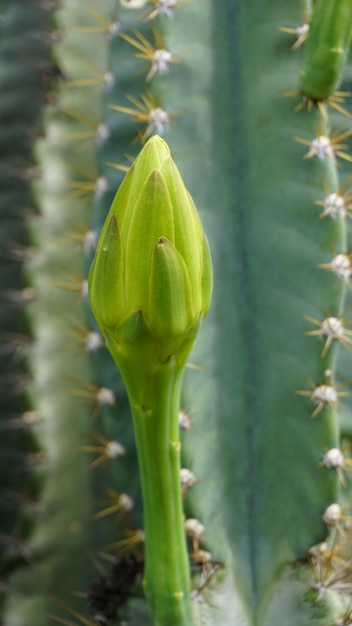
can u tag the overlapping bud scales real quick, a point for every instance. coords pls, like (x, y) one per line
(152, 265)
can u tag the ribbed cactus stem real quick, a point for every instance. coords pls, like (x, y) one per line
(155, 407)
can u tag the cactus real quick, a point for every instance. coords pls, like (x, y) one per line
(268, 383)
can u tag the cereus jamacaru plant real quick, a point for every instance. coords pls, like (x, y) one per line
(150, 286)
(267, 453)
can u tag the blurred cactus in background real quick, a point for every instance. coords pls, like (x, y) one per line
(245, 96)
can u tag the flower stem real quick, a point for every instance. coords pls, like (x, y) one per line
(155, 402)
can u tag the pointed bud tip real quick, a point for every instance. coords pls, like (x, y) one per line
(155, 148)
(159, 143)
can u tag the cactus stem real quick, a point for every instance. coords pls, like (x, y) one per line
(155, 407)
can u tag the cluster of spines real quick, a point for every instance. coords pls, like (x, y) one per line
(331, 566)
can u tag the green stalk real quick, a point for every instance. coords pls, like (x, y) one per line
(166, 576)
(150, 285)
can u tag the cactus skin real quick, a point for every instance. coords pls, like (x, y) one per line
(24, 60)
(255, 451)
(262, 361)
(326, 49)
(61, 531)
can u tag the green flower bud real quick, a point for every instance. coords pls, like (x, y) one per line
(152, 260)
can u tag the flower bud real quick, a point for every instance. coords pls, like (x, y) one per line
(152, 272)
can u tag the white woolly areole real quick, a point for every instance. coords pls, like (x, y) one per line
(302, 31)
(161, 60)
(133, 4)
(158, 121)
(194, 528)
(108, 79)
(114, 449)
(126, 502)
(164, 7)
(318, 550)
(101, 186)
(84, 289)
(332, 327)
(333, 458)
(341, 266)
(105, 396)
(93, 341)
(332, 514)
(31, 417)
(184, 419)
(114, 29)
(90, 241)
(203, 557)
(139, 535)
(102, 133)
(187, 478)
(335, 206)
(324, 394)
(321, 146)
